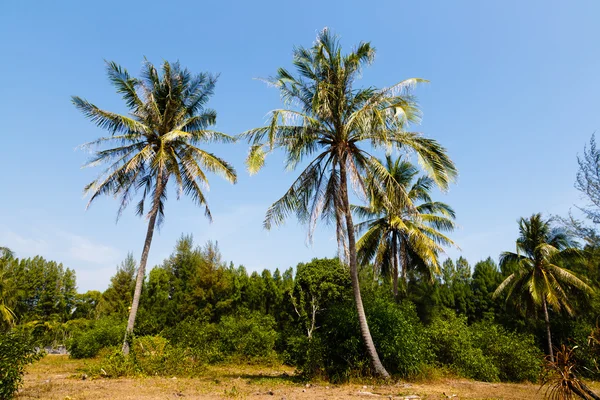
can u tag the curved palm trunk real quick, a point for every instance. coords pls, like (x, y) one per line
(362, 318)
(139, 282)
(549, 336)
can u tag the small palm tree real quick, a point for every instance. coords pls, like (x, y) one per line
(8, 291)
(397, 232)
(540, 278)
(330, 122)
(154, 145)
(6, 253)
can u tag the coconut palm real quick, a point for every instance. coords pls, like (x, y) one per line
(399, 233)
(540, 279)
(7, 290)
(154, 145)
(6, 253)
(330, 122)
(7, 315)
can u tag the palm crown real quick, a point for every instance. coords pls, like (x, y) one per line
(157, 142)
(394, 230)
(540, 275)
(329, 122)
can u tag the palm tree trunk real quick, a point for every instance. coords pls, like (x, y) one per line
(404, 265)
(395, 265)
(362, 318)
(139, 282)
(549, 336)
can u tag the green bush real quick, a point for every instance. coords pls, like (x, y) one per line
(149, 356)
(105, 332)
(250, 336)
(454, 345)
(516, 356)
(16, 352)
(336, 351)
(154, 355)
(247, 336)
(198, 335)
(399, 335)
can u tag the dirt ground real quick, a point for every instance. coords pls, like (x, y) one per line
(58, 377)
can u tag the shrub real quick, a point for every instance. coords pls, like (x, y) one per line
(336, 351)
(250, 336)
(399, 335)
(247, 336)
(16, 352)
(516, 356)
(149, 356)
(198, 335)
(105, 332)
(484, 351)
(453, 345)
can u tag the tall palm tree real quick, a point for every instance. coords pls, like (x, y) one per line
(330, 122)
(397, 232)
(154, 145)
(540, 278)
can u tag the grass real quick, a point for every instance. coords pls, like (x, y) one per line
(58, 377)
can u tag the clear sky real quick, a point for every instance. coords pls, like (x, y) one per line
(514, 96)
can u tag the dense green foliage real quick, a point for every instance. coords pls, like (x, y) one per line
(198, 309)
(102, 333)
(483, 351)
(16, 352)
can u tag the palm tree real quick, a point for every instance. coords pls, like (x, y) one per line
(7, 315)
(7, 290)
(396, 232)
(329, 122)
(155, 144)
(6, 253)
(540, 278)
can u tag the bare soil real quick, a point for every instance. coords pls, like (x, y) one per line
(58, 377)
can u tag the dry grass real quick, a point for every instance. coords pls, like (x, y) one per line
(57, 377)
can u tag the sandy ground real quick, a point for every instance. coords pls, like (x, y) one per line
(57, 377)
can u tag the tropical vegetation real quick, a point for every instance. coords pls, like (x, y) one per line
(399, 236)
(389, 303)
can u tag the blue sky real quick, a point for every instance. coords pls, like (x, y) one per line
(514, 96)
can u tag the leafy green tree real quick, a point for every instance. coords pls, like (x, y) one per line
(486, 278)
(118, 296)
(401, 233)
(540, 278)
(455, 290)
(43, 290)
(319, 283)
(86, 304)
(155, 144)
(331, 125)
